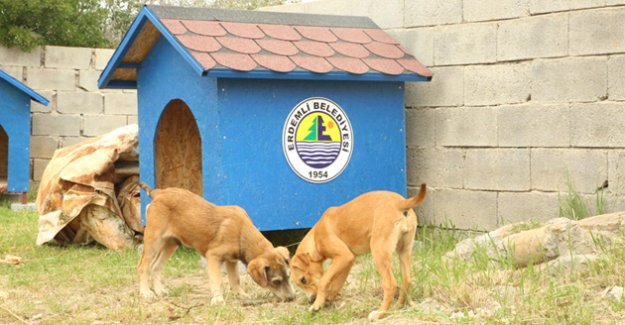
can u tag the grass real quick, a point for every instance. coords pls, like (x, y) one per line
(574, 207)
(91, 285)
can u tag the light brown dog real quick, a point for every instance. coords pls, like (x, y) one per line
(222, 234)
(378, 222)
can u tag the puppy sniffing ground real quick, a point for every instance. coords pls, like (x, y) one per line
(379, 222)
(222, 234)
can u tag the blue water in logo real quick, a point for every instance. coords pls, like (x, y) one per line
(318, 154)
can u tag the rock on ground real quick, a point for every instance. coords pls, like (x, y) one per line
(560, 241)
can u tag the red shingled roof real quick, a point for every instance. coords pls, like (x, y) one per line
(244, 46)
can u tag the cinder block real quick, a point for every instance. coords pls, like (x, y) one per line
(51, 79)
(497, 169)
(418, 41)
(480, 10)
(616, 172)
(68, 57)
(39, 165)
(132, 119)
(533, 125)
(438, 167)
(79, 102)
(555, 169)
(70, 141)
(386, 14)
(464, 209)
(598, 125)
(15, 71)
(50, 95)
(88, 80)
(445, 89)
(541, 36)
(580, 79)
(15, 56)
(466, 43)
(47, 124)
(43, 146)
(496, 84)
(102, 57)
(98, 125)
(430, 13)
(597, 31)
(467, 127)
(421, 127)
(616, 79)
(614, 202)
(120, 104)
(543, 6)
(525, 206)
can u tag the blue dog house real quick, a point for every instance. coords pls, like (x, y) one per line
(282, 114)
(15, 134)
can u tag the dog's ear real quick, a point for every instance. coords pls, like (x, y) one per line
(284, 252)
(303, 259)
(256, 269)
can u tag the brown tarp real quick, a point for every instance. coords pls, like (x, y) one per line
(89, 191)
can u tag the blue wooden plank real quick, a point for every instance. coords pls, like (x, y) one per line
(25, 89)
(307, 75)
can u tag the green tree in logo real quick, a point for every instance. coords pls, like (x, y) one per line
(312, 136)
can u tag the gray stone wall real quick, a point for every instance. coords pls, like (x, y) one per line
(528, 96)
(78, 109)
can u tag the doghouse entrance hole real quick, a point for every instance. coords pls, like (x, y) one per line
(4, 157)
(178, 149)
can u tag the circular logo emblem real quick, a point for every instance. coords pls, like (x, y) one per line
(317, 140)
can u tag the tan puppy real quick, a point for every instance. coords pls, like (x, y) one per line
(378, 222)
(220, 233)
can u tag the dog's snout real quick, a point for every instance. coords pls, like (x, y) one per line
(312, 298)
(276, 281)
(289, 297)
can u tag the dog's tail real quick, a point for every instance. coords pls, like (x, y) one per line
(413, 201)
(148, 190)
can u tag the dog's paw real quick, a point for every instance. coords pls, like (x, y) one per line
(217, 300)
(375, 315)
(147, 294)
(314, 308)
(160, 291)
(242, 294)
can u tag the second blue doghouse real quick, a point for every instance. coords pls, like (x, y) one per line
(15, 134)
(282, 114)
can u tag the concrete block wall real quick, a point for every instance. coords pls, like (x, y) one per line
(78, 109)
(528, 96)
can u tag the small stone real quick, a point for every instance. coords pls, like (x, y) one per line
(457, 315)
(616, 293)
(23, 207)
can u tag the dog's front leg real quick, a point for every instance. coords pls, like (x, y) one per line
(214, 277)
(340, 265)
(233, 278)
